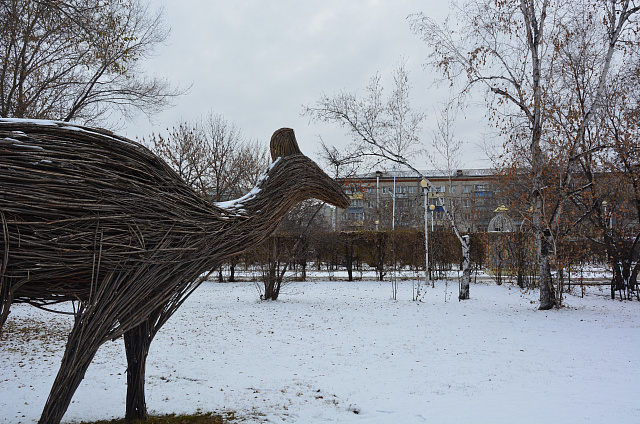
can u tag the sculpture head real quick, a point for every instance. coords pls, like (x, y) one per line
(317, 183)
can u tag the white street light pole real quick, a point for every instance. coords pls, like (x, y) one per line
(432, 208)
(393, 213)
(427, 275)
(377, 199)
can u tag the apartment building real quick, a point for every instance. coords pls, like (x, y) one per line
(395, 199)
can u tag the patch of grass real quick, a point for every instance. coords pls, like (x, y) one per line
(27, 329)
(28, 336)
(198, 418)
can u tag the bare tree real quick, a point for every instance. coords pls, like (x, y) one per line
(212, 156)
(608, 208)
(343, 164)
(385, 131)
(381, 130)
(444, 141)
(514, 49)
(287, 248)
(78, 59)
(599, 137)
(446, 146)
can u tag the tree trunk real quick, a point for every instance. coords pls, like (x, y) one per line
(499, 271)
(232, 272)
(560, 286)
(520, 250)
(547, 292)
(520, 278)
(466, 270)
(380, 251)
(271, 286)
(633, 280)
(220, 276)
(273, 276)
(618, 280)
(348, 250)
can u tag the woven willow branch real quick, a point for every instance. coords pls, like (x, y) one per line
(88, 216)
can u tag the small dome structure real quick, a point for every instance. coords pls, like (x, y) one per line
(501, 223)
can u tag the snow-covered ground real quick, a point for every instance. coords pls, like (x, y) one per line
(346, 353)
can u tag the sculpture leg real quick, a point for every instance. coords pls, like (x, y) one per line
(5, 303)
(136, 343)
(5, 282)
(84, 341)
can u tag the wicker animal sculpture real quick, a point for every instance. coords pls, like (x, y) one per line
(91, 217)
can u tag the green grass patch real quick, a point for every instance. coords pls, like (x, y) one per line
(198, 418)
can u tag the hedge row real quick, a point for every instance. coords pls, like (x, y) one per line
(501, 254)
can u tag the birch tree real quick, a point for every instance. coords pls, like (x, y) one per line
(385, 130)
(608, 208)
(446, 147)
(515, 50)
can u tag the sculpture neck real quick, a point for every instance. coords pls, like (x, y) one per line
(249, 220)
(253, 217)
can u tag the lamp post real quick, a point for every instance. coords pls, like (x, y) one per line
(378, 173)
(393, 210)
(425, 185)
(432, 208)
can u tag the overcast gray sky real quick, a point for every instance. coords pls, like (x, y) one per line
(258, 62)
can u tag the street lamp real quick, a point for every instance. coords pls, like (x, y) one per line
(432, 208)
(393, 210)
(425, 185)
(378, 173)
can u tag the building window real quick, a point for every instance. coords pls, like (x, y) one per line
(413, 190)
(352, 189)
(354, 216)
(466, 203)
(467, 188)
(452, 189)
(439, 189)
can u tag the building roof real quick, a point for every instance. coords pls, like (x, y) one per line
(431, 173)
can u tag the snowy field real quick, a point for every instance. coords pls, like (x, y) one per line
(346, 353)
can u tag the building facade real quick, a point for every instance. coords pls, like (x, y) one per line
(385, 200)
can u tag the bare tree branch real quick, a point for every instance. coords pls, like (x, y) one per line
(78, 59)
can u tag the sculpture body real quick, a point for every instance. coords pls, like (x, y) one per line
(91, 217)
